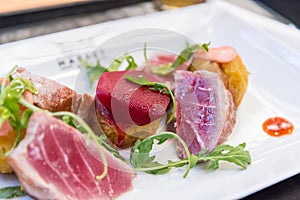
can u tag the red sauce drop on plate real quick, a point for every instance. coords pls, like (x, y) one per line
(277, 126)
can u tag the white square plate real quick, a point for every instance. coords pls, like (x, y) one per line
(269, 49)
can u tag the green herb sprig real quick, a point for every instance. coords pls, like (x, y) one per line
(183, 57)
(9, 104)
(142, 161)
(115, 65)
(95, 71)
(205, 46)
(161, 87)
(11, 192)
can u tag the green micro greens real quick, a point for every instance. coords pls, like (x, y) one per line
(205, 46)
(142, 161)
(9, 104)
(115, 65)
(183, 57)
(11, 192)
(145, 54)
(95, 71)
(161, 87)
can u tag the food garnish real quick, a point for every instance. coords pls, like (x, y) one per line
(11, 192)
(161, 87)
(95, 71)
(277, 126)
(11, 97)
(142, 161)
(222, 54)
(182, 58)
(115, 65)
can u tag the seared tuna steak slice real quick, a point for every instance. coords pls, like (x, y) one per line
(54, 161)
(51, 96)
(205, 110)
(55, 97)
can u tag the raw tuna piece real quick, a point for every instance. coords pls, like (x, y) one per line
(206, 112)
(53, 161)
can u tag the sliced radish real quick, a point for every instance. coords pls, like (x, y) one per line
(222, 54)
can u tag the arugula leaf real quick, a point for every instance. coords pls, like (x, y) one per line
(141, 150)
(9, 104)
(205, 46)
(25, 117)
(236, 155)
(113, 151)
(93, 71)
(131, 63)
(183, 57)
(5, 114)
(145, 54)
(11, 192)
(70, 120)
(142, 161)
(115, 65)
(16, 88)
(161, 87)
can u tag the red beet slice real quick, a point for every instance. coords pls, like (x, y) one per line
(128, 102)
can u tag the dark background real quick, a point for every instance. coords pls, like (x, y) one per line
(289, 9)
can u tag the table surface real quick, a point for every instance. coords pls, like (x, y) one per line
(288, 189)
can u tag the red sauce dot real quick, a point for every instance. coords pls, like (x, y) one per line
(277, 126)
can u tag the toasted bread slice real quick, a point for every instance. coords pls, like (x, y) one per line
(237, 77)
